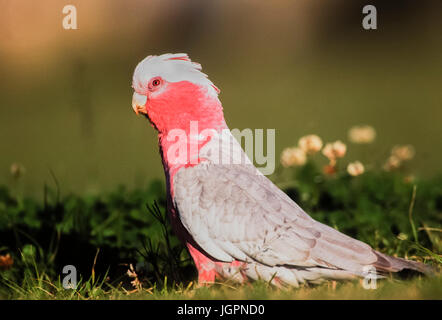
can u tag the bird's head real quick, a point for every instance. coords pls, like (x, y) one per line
(171, 91)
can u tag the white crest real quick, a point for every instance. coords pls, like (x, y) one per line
(172, 68)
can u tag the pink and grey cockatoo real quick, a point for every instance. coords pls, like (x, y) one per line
(234, 221)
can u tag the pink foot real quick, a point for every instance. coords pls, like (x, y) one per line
(208, 269)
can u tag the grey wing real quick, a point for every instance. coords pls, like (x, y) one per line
(235, 213)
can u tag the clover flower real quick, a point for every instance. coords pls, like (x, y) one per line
(399, 153)
(362, 134)
(355, 168)
(392, 163)
(334, 150)
(310, 144)
(403, 153)
(294, 156)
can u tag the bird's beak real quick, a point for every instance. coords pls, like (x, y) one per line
(139, 103)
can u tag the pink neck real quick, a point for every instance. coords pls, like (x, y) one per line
(181, 115)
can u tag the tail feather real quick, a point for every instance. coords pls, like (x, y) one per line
(391, 264)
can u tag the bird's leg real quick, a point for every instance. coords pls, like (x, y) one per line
(204, 265)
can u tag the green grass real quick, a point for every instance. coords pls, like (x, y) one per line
(107, 234)
(43, 288)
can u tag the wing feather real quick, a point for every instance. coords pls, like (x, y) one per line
(235, 213)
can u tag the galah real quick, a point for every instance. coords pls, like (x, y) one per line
(234, 221)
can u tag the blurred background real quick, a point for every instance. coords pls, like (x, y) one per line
(300, 67)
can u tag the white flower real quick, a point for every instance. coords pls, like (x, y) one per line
(392, 163)
(403, 153)
(293, 157)
(355, 168)
(334, 150)
(310, 143)
(362, 134)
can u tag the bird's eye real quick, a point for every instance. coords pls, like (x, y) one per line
(155, 83)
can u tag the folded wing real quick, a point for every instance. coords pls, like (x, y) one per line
(235, 213)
